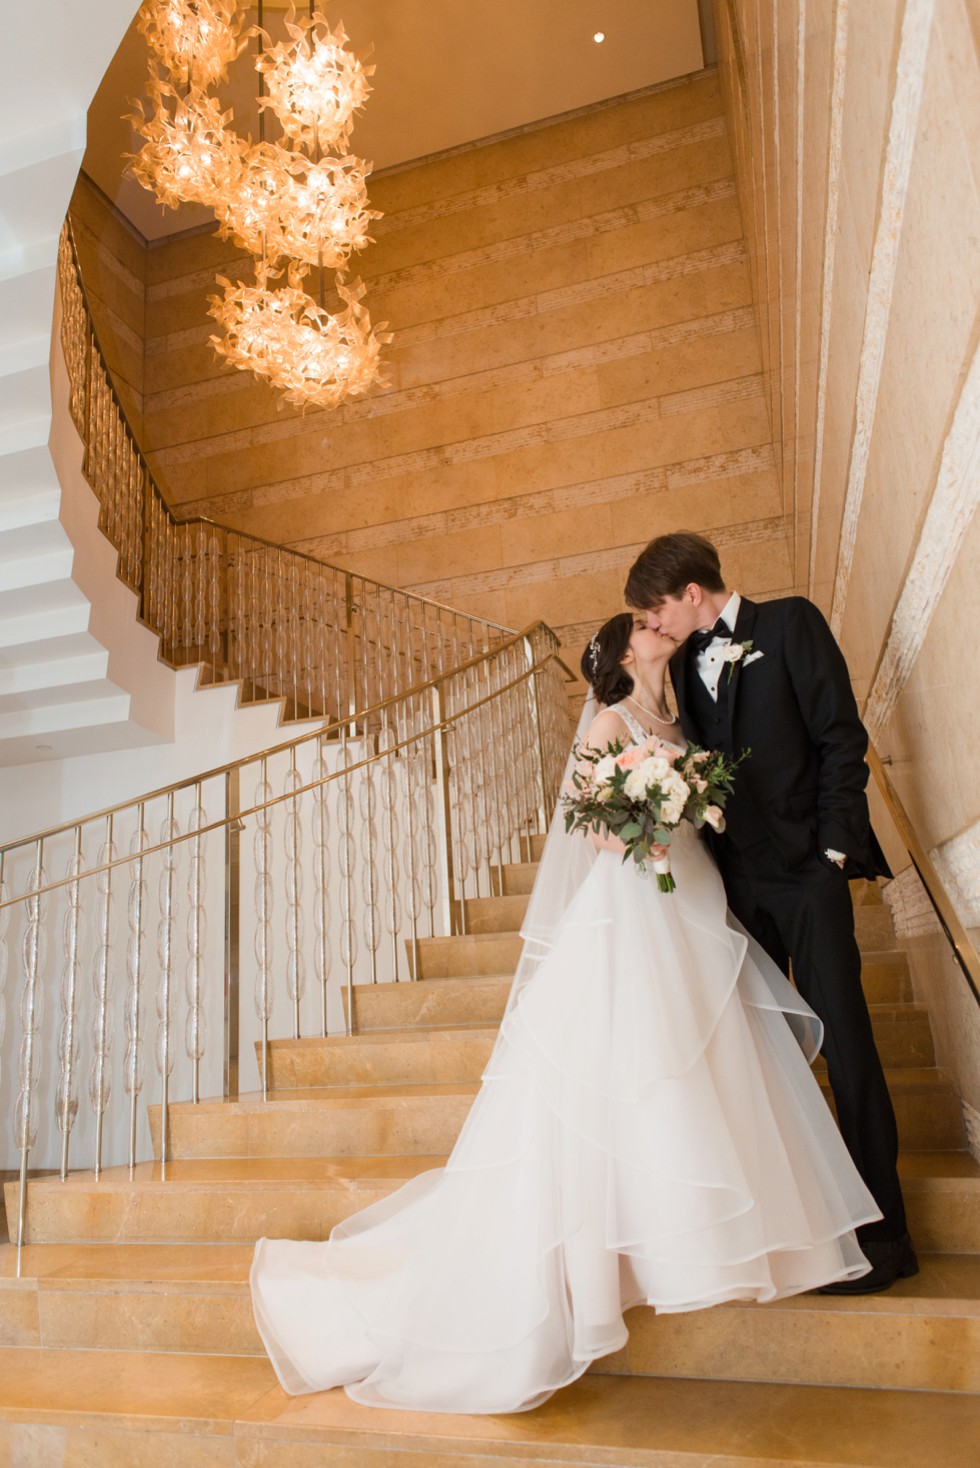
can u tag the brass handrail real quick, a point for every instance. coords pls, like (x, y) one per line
(958, 938)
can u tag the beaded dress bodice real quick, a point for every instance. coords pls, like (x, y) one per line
(636, 730)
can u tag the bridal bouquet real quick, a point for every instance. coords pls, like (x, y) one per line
(642, 792)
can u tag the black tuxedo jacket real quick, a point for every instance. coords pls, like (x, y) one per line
(793, 708)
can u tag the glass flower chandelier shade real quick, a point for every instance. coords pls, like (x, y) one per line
(285, 204)
(314, 85)
(282, 203)
(189, 154)
(194, 40)
(283, 336)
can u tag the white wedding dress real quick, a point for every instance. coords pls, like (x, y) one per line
(648, 1132)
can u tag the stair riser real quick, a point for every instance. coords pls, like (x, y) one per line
(904, 1040)
(518, 879)
(43, 1445)
(394, 1064)
(928, 1121)
(448, 958)
(901, 1042)
(423, 1125)
(217, 1216)
(465, 957)
(400, 1006)
(943, 1215)
(410, 1126)
(130, 1318)
(805, 1345)
(505, 912)
(483, 1001)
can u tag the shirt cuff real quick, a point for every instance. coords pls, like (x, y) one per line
(835, 855)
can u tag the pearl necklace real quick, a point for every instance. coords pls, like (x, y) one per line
(659, 719)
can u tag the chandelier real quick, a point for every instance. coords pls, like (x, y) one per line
(296, 204)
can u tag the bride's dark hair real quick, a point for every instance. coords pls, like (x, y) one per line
(601, 660)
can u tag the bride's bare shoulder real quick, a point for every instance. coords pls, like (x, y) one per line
(606, 728)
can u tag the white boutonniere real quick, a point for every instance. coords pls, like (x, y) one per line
(734, 653)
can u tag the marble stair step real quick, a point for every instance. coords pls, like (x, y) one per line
(362, 1120)
(514, 879)
(420, 1055)
(482, 998)
(466, 955)
(353, 1121)
(213, 1200)
(430, 1002)
(386, 1119)
(436, 1053)
(903, 1035)
(155, 1409)
(927, 1108)
(472, 954)
(237, 1200)
(923, 1334)
(504, 913)
(407, 1119)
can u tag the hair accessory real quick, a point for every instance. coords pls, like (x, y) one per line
(594, 653)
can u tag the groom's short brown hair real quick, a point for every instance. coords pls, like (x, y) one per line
(670, 563)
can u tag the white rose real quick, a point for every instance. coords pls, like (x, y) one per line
(676, 786)
(652, 771)
(604, 769)
(673, 809)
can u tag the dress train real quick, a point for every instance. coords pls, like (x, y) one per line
(648, 1131)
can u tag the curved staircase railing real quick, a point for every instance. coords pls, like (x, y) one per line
(284, 626)
(335, 853)
(296, 875)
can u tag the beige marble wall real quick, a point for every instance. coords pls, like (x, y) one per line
(857, 145)
(113, 261)
(575, 368)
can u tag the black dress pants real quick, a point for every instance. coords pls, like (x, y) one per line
(804, 918)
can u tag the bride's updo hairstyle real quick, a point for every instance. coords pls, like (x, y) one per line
(602, 660)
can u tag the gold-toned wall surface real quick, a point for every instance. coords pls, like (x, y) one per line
(856, 131)
(113, 261)
(575, 368)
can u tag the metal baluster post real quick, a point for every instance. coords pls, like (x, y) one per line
(538, 736)
(445, 834)
(233, 870)
(134, 957)
(164, 1040)
(33, 952)
(66, 1103)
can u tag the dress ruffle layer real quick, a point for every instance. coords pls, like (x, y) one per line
(648, 1131)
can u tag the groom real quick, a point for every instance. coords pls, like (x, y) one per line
(769, 678)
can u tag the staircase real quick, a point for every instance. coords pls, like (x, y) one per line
(127, 1336)
(54, 692)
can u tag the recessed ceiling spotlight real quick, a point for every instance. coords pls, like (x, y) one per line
(599, 37)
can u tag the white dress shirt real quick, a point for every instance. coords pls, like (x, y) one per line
(710, 661)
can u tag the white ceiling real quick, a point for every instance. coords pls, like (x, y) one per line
(449, 72)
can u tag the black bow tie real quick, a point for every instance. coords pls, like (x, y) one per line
(705, 636)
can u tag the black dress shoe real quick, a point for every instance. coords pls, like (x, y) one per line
(890, 1259)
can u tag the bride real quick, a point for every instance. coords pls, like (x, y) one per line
(647, 1132)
